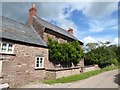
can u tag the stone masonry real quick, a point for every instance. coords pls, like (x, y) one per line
(19, 68)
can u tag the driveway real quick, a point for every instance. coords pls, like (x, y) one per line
(104, 80)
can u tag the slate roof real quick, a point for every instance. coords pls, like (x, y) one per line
(13, 30)
(55, 28)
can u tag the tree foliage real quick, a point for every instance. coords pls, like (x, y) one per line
(92, 46)
(116, 49)
(103, 55)
(65, 52)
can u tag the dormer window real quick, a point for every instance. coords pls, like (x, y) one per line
(6, 48)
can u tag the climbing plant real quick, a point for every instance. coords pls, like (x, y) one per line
(65, 52)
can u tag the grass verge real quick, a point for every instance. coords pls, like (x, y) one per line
(78, 77)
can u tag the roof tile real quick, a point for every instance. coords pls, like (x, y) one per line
(19, 32)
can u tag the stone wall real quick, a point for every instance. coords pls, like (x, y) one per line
(56, 73)
(39, 28)
(47, 35)
(90, 68)
(19, 68)
(61, 72)
(50, 74)
(68, 72)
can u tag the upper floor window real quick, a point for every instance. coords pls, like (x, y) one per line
(6, 47)
(39, 62)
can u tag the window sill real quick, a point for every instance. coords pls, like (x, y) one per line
(39, 68)
(3, 53)
(1, 77)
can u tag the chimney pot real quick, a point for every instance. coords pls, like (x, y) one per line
(33, 5)
(70, 30)
(32, 12)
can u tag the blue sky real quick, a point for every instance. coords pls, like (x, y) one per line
(91, 21)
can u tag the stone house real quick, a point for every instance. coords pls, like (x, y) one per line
(45, 29)
(24, 51)
(24, 55)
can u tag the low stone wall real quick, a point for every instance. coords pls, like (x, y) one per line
(61, 72)
(55, 73)
(90, 68)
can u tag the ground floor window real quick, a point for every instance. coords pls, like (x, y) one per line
(39, 62)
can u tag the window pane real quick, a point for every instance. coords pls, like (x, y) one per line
(37, 61)
(40, 64)
(40, 61)
(37, 65)
(41, 58)
(37, 58)
(10, 47)
(4, 47)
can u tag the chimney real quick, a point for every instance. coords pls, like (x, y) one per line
(32, 12)
(70, 30)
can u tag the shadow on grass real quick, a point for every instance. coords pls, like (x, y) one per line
(117, 79)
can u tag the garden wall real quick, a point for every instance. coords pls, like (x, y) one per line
(55, 73)
(90, 68)
(61, 72)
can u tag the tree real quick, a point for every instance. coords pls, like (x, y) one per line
(116, 50)
(92, 45)
(102, 55)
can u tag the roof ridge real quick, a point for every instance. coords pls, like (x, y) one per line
(54, 25)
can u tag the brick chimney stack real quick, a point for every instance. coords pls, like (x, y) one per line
(32, 12)
(70, 30)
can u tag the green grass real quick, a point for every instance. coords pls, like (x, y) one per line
(77, 77)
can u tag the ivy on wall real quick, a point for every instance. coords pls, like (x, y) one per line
(65, 52)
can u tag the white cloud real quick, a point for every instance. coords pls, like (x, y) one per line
(100, 25)
(99, 9)
(89, 9)
(51, 11)
(90, 39)
(116, 40)
(55, 11)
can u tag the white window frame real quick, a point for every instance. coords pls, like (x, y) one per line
(1, 68)
(39, 67)
(1, 44)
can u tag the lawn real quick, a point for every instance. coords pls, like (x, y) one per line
(78, 77)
